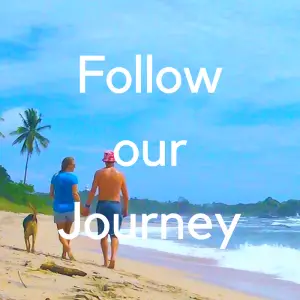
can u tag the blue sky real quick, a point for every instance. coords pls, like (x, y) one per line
(243, 142)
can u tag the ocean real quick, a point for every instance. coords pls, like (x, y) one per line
(268, 246)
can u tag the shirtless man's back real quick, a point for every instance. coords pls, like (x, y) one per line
(110, 183)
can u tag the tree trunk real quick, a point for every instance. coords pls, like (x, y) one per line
(26, 167)
(50, 266)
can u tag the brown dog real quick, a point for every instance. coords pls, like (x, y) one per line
(30, 229)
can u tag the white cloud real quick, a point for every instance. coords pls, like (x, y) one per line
(250, 40)
(202, 133)
(12, 120)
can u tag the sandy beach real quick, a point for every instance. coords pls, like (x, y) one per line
(130, 280)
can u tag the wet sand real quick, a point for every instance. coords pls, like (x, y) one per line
(207, 270)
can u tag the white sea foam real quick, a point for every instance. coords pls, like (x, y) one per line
(275, 260)
(286, 223)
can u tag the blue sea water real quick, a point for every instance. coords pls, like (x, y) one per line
(269, 246)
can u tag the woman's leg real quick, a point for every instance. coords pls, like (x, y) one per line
(64, 242)
(68, 226)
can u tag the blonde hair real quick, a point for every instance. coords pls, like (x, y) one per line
(65, 163)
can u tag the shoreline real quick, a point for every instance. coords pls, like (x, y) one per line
(186, 275)
(208, 271)
(257, 260)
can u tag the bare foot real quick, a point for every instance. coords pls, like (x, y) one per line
(64, 256)
(111, 264)
(71, 256)
(105, 265)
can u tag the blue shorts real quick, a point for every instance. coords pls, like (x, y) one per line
(108, 209)
(64, 217)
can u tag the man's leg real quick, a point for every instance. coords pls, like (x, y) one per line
(114, 238)
(114, 250)
(104, 248)
(103, 241)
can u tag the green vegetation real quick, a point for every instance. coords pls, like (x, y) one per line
(16, 196)
(267, 208)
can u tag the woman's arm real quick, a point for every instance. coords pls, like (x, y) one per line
(51, 191)
(75, 193)
(92, 191)
(52, 187)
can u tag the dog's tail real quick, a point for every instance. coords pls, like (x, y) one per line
(33, 209)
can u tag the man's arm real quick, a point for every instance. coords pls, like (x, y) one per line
(92, 191)
(125, 194)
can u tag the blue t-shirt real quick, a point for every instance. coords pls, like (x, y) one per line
(63, 196)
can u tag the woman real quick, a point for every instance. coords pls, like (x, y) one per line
(64, 191)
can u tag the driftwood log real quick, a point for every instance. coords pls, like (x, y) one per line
(50, 266)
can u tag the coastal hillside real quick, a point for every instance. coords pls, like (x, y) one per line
(15, 197)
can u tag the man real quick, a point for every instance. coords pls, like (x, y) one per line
(110, 183)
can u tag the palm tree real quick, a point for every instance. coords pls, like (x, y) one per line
(29, 135)
(1, 134)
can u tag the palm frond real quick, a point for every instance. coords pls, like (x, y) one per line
(21, 138)
(24, 148)
(30, 141)
(25, 122)
(37, 147)
(1, 134)
(42, 140)
(20, 130)
(29, 134)
(43, 127)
